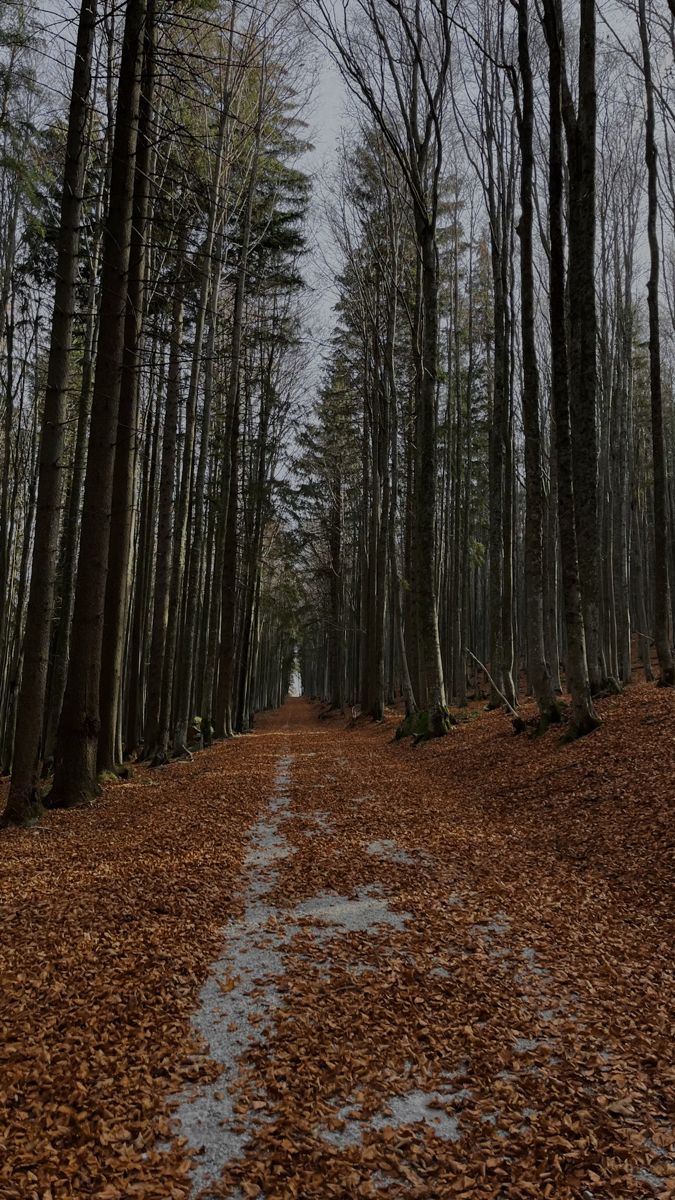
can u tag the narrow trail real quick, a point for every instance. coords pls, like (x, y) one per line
(415, 1001)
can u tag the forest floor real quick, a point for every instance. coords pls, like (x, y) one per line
(317, 963)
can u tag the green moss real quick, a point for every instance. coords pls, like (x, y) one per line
(425, 724)
(115, 775)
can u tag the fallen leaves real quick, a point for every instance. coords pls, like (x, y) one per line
(110, 919)
(533, 979)
(533, 969)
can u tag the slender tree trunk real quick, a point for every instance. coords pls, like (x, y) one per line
(142, 584)
(229, 595)
(160, 615)
(662, 633)
(538, 672)
(581, 138)
(426, 484)
(18, 640)
(208, 302)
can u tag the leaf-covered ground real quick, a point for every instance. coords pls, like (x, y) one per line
(465, 955)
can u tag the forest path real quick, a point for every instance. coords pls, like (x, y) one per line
(421, 996)
(350, 968)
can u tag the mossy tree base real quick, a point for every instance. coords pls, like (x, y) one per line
(120, 772)
(426, 723)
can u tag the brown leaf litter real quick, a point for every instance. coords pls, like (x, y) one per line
(502, 1028)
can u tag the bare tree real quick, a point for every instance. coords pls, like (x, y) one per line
(395, 58)
(662, 632)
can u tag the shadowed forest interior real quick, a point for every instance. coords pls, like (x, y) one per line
(401, 428)
(337, 410)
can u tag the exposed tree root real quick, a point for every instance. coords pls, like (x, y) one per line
(79, 798)
(576, 730)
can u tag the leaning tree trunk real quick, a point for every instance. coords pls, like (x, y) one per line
(75, 769)
(661, 596)
(23, 796)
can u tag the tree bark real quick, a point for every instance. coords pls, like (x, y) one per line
(23, 797)
(165, 522)
(117, 586)
(584, 717)
(538, 671)
(662, 633)
(75, 770)
(228, 603)
(580, 132)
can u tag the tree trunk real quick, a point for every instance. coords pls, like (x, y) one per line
(584, 717)
(661, 591)
(23, 797)
(117, 586)
(228, 604)
(208, 303)
(581, 136)
(538, 672)
(426, 484)
(79, 726)
(160, 614)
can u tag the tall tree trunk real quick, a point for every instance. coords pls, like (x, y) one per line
(160, 614)
(79, 726)
(584, 717)
(229, 595)
(208, 303)
(662, 635)
(23, 797)
(126, 447)
(70, 535)
(581, 136)
(426, 483)
(538, 672)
